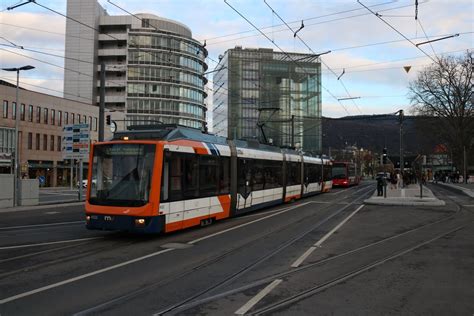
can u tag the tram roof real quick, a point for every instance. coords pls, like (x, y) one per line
(172, 132)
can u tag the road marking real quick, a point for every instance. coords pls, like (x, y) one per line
(318, 244)
(300, 260)
(41, 225)
(249, 223)
(80, 277)
(51, 213)
(257, 298)
(49, 243)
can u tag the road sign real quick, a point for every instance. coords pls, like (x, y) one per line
(76, 140)
(41, 180)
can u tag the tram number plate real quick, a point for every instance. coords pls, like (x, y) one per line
(108, 218)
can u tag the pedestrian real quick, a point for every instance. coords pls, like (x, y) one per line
(380, 186)
(393, 181)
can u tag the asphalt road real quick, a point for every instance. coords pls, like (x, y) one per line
(328, 254)
(58, 195)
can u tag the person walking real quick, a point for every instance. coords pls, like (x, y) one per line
(379, 185)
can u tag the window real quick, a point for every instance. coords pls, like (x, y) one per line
(90, 123)
(22, 112)
(52, 143)
(14, 110)
(5, 109)
(66, 118)
(293, 170)
(38, 114)
(45, 142)
(72, 118)
(312, 173)
(30, 140)
(224, 175)
(53, 117)
(95, 124)
(84, 119)
(208, 176)
(60, 117)
(59, 143)
(30, 113)
(45, 118)
(78, 119)
(38, 142)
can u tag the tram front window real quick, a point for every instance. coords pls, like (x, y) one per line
(339, 172)
(121, 174)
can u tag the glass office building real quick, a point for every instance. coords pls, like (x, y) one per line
(154, 68)
(266, 95)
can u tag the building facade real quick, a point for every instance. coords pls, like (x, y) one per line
(42, 118)
(154, 69)
(265, 95)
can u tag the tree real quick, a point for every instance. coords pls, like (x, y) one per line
(443, 91)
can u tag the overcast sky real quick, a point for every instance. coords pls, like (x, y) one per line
(372, 54)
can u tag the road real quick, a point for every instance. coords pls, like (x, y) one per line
(328, 254)
(58, 195)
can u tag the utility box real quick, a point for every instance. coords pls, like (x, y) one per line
(28, 192)
(6, 192)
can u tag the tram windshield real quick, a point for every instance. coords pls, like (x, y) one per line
(121, 174)
(339, 172)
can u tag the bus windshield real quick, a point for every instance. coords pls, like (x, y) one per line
(339, 172)
(121, 174)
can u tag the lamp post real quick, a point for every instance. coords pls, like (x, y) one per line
(17, 125)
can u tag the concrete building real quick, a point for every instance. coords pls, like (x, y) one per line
(42, 118)
(262, 94)
(153, 67)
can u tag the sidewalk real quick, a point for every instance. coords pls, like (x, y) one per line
(467, 189)
(38, 207)
(410, 195)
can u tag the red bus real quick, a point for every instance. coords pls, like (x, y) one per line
(344, 174)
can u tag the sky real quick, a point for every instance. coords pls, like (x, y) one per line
(369, 54)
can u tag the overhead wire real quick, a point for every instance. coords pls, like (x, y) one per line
(285, 53)
(311, 50)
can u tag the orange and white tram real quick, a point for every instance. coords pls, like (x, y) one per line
(172, 177)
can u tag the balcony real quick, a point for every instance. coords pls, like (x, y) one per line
(112, 52)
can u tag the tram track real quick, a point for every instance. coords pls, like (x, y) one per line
(367, 188)
(336, 280)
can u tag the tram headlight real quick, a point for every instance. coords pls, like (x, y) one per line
(140, 222)
(88, 218)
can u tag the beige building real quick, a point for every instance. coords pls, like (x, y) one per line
(42, 118)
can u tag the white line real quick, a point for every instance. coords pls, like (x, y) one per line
(310, 250)
(242, 225)
(318, 244)
(41, 225)
(80, 277)
(257, 298)
(298, 261)
(49, 243)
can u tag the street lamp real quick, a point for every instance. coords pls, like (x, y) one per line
(17, 124)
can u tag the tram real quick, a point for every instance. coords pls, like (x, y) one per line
(169, 177)
(344, 174)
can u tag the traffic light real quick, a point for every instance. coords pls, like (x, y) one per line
(108, 120)
(384, 156)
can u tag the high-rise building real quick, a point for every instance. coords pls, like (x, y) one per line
(266, 95)
(153, 67)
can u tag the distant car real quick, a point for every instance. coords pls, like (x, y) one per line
(382, 175)
(85, 182)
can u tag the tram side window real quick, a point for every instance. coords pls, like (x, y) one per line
(272, 173)
(208, 176)
(258, 179)
(313, 173)
(243, 175)
(294, 173)
(326, 173)
(175, 164)
(224, 175)
(190, 176)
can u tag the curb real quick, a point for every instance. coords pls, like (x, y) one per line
(468, 192)
(392, 201)
(38, 207)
